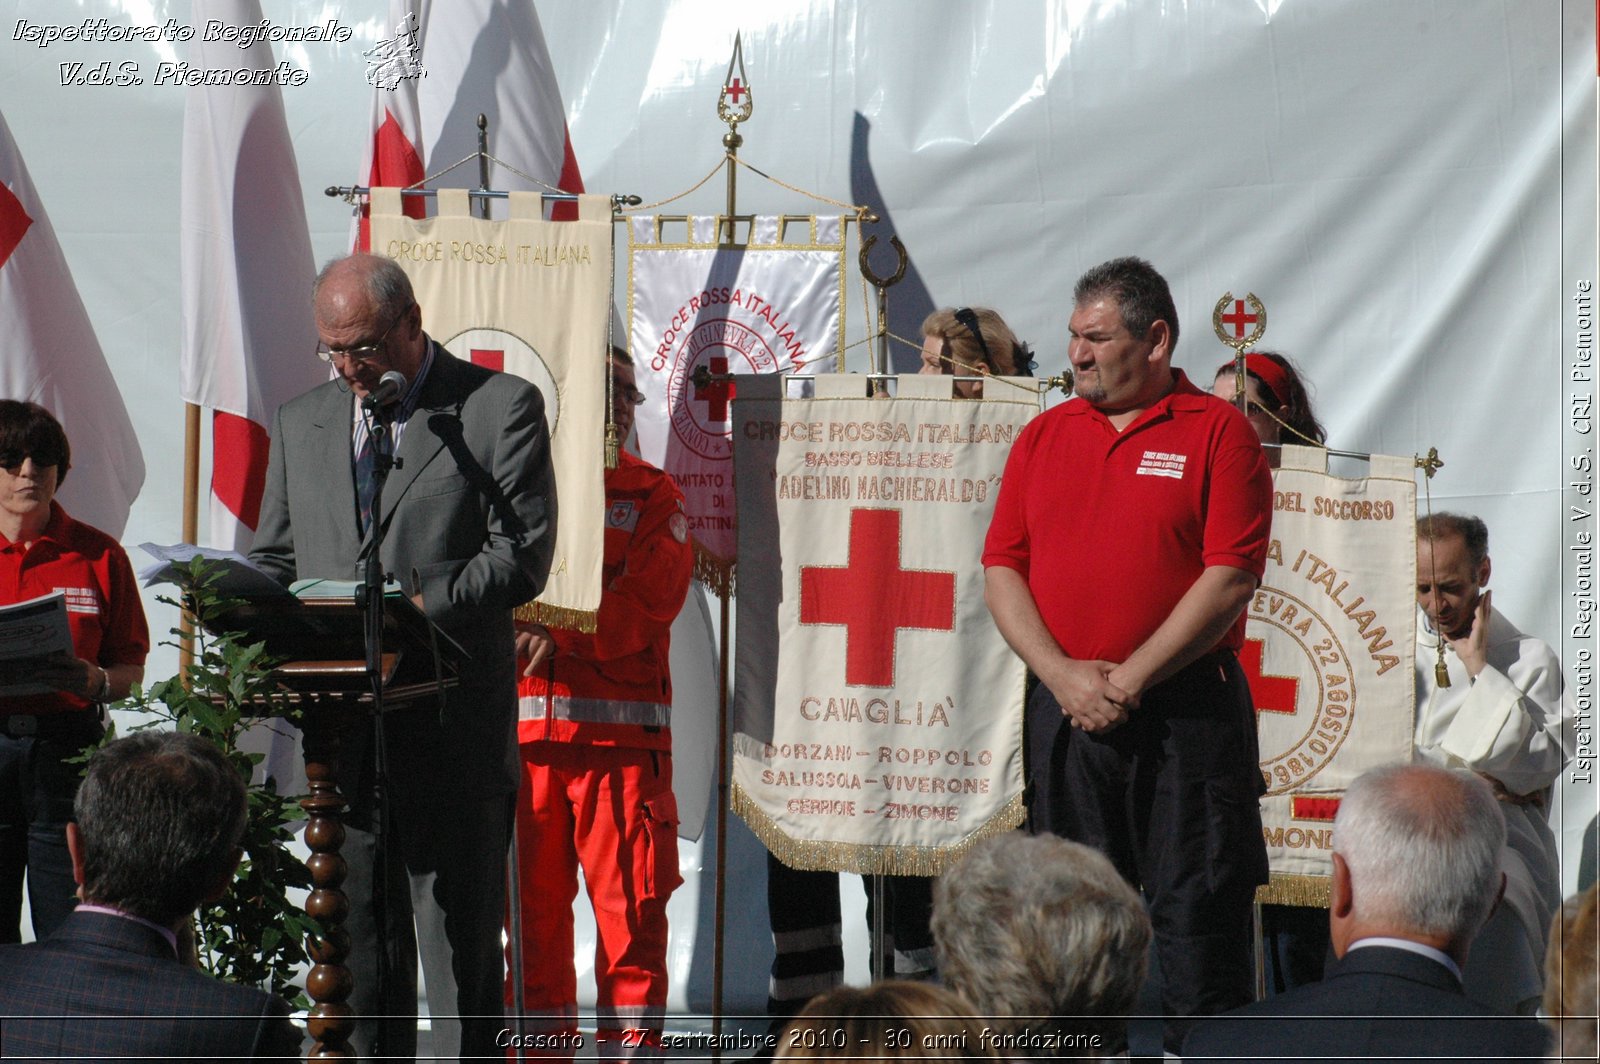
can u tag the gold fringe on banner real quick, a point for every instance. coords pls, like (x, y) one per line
(714, 572)
(861, 858)
(1286, 889)
(557, 617)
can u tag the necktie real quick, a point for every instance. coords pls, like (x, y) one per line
(366, 483)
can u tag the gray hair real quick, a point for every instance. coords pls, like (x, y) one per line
(1030, 926)
(1142, 295)
(1423, 847)
(387, 286)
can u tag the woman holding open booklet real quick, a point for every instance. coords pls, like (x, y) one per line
(52, 705)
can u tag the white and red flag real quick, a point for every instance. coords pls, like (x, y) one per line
(53, 357)
(246, 263)
(393, 157)
(431, 80)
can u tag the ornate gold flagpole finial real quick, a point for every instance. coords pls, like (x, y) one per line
(734, 105)
(1229, 319)
(1429, 466)
(880, 351)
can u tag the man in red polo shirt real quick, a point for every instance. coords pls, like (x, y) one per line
(1129, 534)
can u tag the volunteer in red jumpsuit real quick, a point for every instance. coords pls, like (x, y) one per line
(596, 745)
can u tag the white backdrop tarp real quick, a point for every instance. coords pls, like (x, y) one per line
(1408, 186)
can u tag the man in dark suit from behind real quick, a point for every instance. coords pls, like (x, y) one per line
(159, 820)
(1416, 871)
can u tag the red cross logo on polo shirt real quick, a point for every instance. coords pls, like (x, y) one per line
(1238, 318)
(1271, 694)
(874, 598)
(14, 222)
(495, 360)
(716, 393)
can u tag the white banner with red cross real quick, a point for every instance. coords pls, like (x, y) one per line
(1329, 650)
(772, 304)
(529, 297)
(877, 711)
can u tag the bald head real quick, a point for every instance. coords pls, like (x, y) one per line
(1421, 850)
(363, 305)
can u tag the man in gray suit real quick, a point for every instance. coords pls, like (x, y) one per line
(469, 521)
(1416, 869)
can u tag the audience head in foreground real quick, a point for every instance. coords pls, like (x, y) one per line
(892, 1019)
(159, 820)
(1045, 940)
(1416, 871)
(1571, 988)
(1416, 856)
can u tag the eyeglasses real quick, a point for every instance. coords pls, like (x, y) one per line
(630, 393)
(366, 352)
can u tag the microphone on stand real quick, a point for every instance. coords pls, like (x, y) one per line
(391, 386)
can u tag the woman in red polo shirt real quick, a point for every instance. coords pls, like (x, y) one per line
(43, 551)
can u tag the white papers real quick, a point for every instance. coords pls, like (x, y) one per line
(240, 577)
(31, 630)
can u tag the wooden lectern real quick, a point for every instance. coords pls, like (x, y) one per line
(324, 675)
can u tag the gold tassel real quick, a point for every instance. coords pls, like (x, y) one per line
(612, 445)
(714, 572)
(557, 617)
(1441, 671)
(1286, 889)
(861, 858)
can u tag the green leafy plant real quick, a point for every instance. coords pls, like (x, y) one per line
(254, 935)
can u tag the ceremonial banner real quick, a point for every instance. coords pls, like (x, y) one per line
(1329, 649)
(878, 713)
(771, 305)
(533, 298)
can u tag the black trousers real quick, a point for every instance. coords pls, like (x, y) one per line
(803, 908)
(1171, 797)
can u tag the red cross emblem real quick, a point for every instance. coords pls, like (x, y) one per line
(716, 393)
(1271, 694)
(735, 90)
(1238, 318)
(495, 360)
(14, 222)
(874, 598)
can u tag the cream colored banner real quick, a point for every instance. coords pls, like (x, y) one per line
(533, 298)
(1329, 651)
(878, 713)
(772, 304)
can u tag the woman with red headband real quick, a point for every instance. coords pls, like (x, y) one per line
(1280, 408)
(1295, 937)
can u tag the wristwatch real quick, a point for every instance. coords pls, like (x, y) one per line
(104, 694)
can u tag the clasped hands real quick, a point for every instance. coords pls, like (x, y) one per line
(1089, 693)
